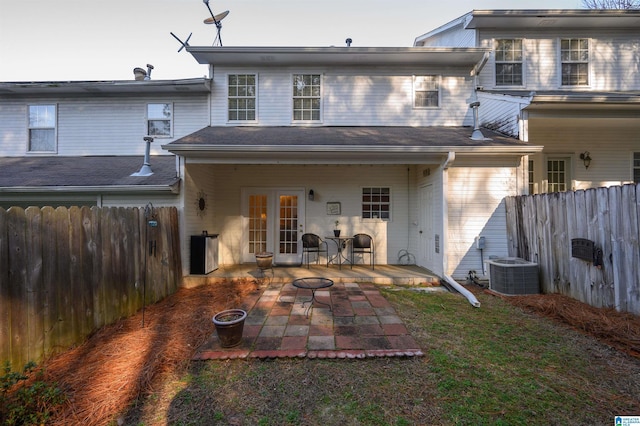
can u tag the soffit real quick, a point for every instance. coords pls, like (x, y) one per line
(554, 19)
(348, 56)
(106, 88)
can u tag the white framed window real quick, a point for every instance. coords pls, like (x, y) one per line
(574, 59)
(532, 183)
(242, 97)
(307, 95)
(42, 128)
(558, 174)
(508, 62)
(160, 120)
(376, 203)
(636, 167)
(426, 91)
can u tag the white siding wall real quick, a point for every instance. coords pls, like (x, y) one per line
(476, 208)
(223, 185)
(353, 97)
(13, 128)
(454, 37)
(501, 113)
(113, 126)
(614, 59)
(610, 142)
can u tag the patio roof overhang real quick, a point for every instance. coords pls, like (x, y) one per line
(341, 145)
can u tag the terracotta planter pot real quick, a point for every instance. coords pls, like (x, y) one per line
(264, 260)
(229, 325)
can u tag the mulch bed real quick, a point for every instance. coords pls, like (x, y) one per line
(122, 362)
(617, 329)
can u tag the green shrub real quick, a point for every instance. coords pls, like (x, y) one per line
(24, 401)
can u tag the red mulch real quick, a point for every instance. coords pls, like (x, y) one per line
(123, 361)
(617, 329)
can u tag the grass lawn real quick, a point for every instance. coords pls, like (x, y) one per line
(488, 366)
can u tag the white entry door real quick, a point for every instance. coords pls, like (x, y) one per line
(426, 238)
(273, 220)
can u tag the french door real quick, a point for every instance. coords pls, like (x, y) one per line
(273, 220)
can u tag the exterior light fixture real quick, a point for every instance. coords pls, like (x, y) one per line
(586, 159)
(312, 195)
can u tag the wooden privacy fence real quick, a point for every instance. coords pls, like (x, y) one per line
(66, 272)
(553, 229)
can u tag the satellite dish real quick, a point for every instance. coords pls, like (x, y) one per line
(215, 19)
(219, 17)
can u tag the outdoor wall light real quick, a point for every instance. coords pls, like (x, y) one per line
(312, 195)
(586, 159)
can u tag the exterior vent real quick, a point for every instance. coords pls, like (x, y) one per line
(513, 276)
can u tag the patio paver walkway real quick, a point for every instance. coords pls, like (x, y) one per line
(361, 324)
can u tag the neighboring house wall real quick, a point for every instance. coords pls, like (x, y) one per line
(99, 126)
(614, 58)
(352, 96)
(610, 142)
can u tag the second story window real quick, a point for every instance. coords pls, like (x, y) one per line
(242, 97)
(159, 119)
(509, 62)
(426, 91)
(306, 97)
(574, 56)
(42, 128)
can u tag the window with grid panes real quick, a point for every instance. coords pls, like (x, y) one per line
(426, 91)
(42, 128)
(242, 97)
(574, 56)
(636, 167)
(306, 97)
(508, 62)
(557, 175)
(376, 203)
(531, 176)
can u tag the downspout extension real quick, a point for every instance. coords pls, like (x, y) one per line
(463, 291)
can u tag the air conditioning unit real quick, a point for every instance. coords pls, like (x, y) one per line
(513, 276)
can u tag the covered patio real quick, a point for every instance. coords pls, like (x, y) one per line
(382, 274)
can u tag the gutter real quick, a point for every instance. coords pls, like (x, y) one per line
(173, 189)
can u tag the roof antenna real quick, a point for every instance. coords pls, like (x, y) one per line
(183, 43)
(216, 19)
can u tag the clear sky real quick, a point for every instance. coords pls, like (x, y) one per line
(64, 40)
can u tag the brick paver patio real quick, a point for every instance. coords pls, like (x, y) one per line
(361, 324)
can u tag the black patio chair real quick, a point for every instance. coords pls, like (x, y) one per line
(311, 243)
(363, 244)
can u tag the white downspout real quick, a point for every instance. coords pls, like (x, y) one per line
(445, 237)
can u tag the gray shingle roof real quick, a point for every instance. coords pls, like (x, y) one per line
(85, 171)
(342, 136)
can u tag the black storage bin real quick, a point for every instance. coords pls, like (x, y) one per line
(204, 254)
